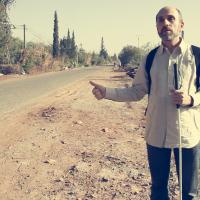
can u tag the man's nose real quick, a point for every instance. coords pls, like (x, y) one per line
(165, 22)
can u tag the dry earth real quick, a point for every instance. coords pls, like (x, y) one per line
(71, 146)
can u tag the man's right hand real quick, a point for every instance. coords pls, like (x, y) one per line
(98, 91)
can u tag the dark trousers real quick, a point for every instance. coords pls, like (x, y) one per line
(159, 163)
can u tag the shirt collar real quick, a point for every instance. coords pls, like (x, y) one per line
(182, 48)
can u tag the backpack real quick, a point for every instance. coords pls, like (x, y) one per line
(150, 58)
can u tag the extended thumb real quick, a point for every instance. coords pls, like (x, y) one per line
(94, 84)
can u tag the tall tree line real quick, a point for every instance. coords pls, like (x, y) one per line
(66, 47)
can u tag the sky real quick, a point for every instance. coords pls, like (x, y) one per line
(119, 22)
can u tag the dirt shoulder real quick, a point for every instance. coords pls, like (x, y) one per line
(71, 146)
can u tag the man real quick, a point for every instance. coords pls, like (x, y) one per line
(162, 129)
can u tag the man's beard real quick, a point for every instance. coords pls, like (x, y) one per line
(168, 36)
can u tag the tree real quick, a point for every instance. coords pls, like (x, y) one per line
(82, 56)
(5, 31)
(68, 44)
(55, 37)
(130, 55)
(94, 58)
(103, 53)
(68, 48)
(63, 46)
(7, 3)
(73, 53)
(114, 60)
(15, 48)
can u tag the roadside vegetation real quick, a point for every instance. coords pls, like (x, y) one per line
(20, 57)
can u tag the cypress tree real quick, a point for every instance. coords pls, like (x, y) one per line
(55, 37)
(103, 53)
(73, 47)
(68, 44)
(63, 46)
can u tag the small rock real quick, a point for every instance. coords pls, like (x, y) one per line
(104, 179)
(105, 130)
(44, 114)
(50, 161)
(78, 122)
(62, 142)
(145, 184)
(142, 174)
(59, 180)
(71, 193)
(73, 169)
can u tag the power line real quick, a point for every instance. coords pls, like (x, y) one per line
(23, 26)
(32, 32)
(38, 36)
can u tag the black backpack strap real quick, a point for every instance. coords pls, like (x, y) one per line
(196, 52)
(148, 64)
(149, 61)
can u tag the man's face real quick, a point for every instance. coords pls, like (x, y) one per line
(168, 23)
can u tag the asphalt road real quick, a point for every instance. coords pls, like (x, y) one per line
(16, 93)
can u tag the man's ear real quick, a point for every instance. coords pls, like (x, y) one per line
(182, 24)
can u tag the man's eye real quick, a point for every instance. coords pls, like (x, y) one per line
(160, 20)
(170, 18)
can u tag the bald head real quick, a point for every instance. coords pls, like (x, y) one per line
(171, 9)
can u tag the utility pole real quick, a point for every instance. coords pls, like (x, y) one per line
(138, 40)
(24, 33)
(24, 27)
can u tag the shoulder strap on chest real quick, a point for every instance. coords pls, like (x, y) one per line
(149, 61)
(196, 52)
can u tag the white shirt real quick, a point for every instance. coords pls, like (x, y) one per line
(162, 128)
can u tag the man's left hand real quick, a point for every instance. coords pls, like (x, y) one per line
(181, 98)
